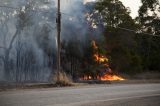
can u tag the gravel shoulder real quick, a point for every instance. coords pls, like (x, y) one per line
(8, 87)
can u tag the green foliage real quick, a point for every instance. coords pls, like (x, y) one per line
(128, 52)
(149, 16)
(149, 51)
(123, 52)
(120, 45)
(113, 13)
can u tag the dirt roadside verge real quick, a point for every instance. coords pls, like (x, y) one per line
(7, 86)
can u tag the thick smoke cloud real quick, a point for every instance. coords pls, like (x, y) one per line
(33, 54)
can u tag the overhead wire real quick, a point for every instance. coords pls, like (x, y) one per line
(118, 27)
(15, 8)
(69, 15)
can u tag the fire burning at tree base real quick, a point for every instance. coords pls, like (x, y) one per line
(110, 76)
(104, 73)
(105, 77)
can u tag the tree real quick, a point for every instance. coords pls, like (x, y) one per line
(23, 19)
(120, 43)
(149, 16)
(149, 20)
(71, 58)
(113, 13)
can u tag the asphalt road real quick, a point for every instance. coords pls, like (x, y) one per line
(95, 95)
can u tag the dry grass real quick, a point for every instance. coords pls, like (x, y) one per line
(62, 80)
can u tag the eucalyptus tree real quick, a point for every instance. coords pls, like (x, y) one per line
(149, 20)
(19, 49)
(120, 42)
(149, 16)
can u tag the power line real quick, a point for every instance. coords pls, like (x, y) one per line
(69, 15)
(18, 9)
(15, 8)
(136, 31)
(116, 27)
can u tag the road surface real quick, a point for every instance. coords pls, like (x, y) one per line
(95, 95)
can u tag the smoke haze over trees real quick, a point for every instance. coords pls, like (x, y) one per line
(28, 38)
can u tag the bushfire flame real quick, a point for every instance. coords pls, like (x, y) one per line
(111, 77)
(107, 74)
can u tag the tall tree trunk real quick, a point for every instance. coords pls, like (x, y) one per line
(7, 70)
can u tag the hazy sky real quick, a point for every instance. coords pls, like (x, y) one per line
(132, 4)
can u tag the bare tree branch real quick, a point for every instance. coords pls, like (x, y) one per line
(12, 40)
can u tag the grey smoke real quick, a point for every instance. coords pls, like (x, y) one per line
(35, 39)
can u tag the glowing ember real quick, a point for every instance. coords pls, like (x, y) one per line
(107, 74)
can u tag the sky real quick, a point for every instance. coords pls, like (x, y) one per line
(132, 4)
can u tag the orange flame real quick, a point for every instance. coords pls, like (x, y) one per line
(108, 75)
(100, 58)
(111, 77)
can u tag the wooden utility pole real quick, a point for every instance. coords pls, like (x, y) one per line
(58, 40)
